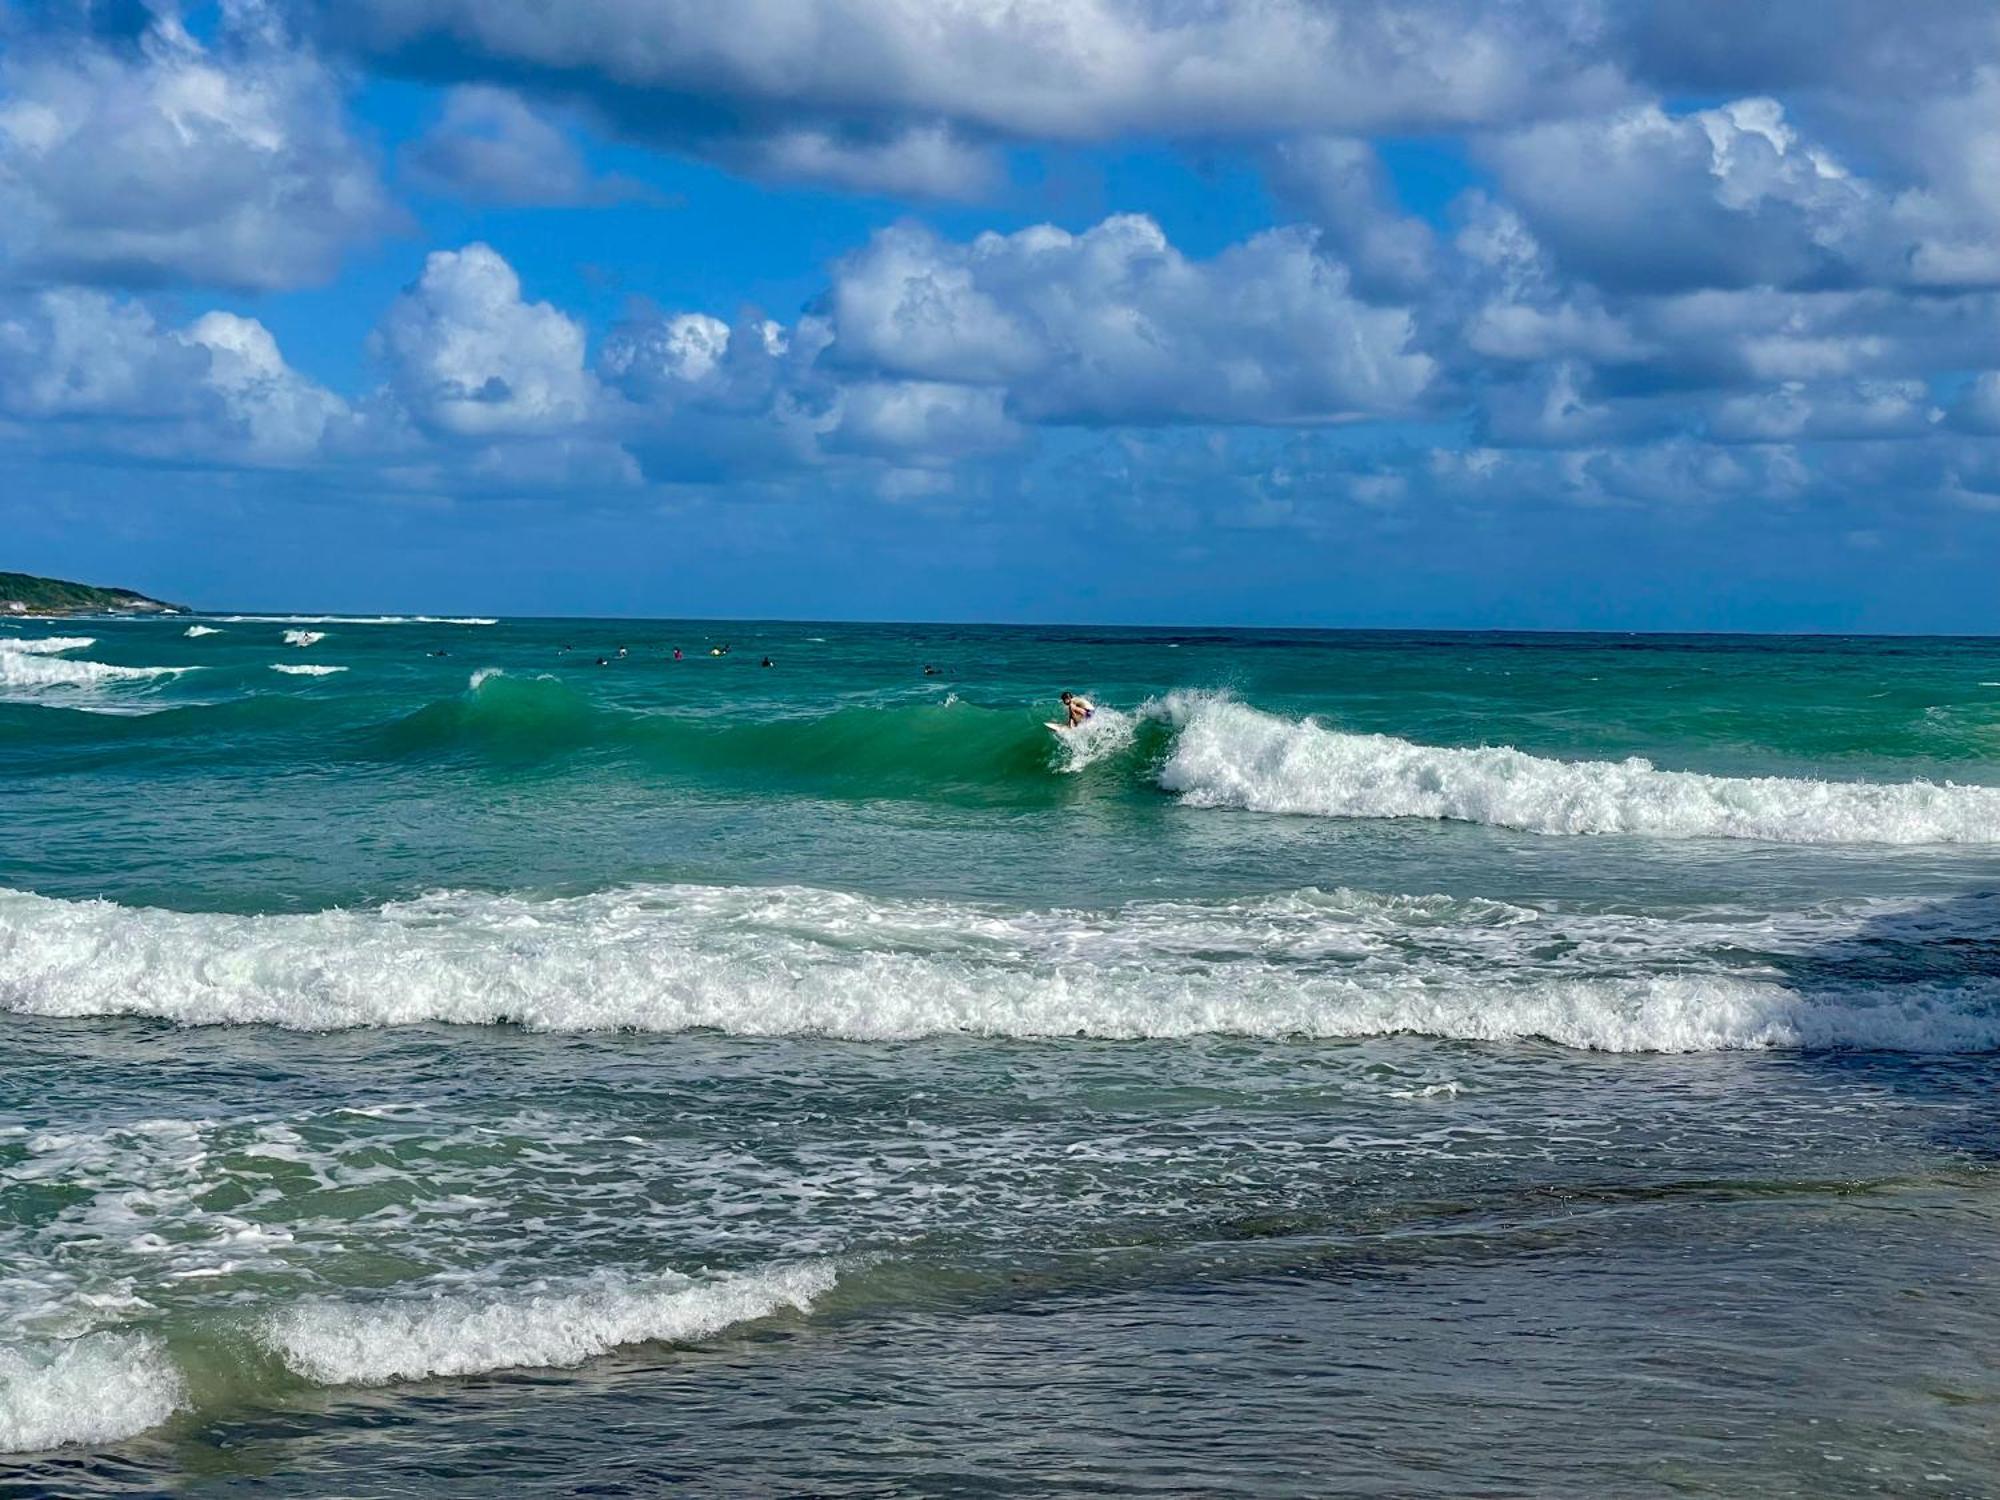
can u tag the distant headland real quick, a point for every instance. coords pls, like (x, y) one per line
(25, 594)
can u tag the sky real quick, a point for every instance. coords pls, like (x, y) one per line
(1539, 314)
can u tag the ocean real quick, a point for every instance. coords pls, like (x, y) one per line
(440, 1064)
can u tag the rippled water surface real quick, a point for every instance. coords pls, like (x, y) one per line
(1354, 1064)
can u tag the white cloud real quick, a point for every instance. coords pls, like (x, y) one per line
(100, 373)
(170, 162)
(1726, 197)
(279, 415)
(920, 423)
(469, 358)
(1114, 325)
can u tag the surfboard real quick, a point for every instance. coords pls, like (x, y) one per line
(1054, 728)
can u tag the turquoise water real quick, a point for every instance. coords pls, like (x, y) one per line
(1399, 1064)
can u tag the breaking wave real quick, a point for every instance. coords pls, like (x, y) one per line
(41, 664)
(95, 1389)
(344, 1344)
(112, 1384)
(798, 961)
(1209, 750)
(1227, 754)
(304, 669)
(195, 632)
(304, 637)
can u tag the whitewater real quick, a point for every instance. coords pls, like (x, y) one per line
(466, 1055)
(791, 961)
(1229, 754)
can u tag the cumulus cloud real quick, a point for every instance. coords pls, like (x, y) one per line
(1728, 197)
(1116, 325)
(94, 371)
(1777, 293)
(469, 357)
(166, 161)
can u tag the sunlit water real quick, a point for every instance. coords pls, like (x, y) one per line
(493, 1072)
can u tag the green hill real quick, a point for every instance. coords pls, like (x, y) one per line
(23, 593)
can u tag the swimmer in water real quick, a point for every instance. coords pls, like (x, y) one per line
(621, 651)
(1077, 707)
(767, 662)
(929, 670)
(677, 653)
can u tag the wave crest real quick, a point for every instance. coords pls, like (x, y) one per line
(95, 1389)
(796, 961)
(1227, 754)
(40, 664)
(340, 1344)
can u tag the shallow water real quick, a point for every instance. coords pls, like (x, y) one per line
(497, 1071)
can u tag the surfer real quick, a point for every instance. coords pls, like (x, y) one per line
(1078, 708)
(767, 662)
(677, 653)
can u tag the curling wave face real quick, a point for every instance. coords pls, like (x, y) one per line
(1212, 752)
(799, 961)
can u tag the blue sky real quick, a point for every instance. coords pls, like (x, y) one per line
(1564, 313)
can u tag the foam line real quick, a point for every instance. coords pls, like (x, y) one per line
(795, 961)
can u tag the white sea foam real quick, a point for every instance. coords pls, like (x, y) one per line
(40, 664)
(304, 637)
(1227, 754)
(794, 961)
(1105, 733)
(345, 1344)
(304, 669)
(94, 1389)
(194, 632)
(47, 645)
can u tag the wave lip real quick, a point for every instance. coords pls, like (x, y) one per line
(339, 1344)
(195, 632)
(793, 961)
(1227, 754)
(44, 663)
(46, 645)
(304, 669)
(94, 1389)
